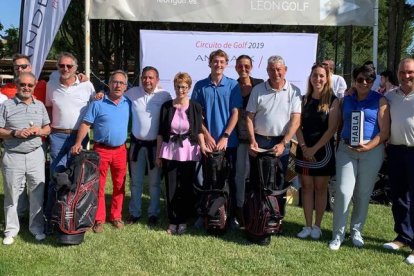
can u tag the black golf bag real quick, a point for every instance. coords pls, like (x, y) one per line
(381, 193)
(261, 209)
(77, 198)
(214, 193)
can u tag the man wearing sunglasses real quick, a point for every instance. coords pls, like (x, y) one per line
(67, 99)
(22, 123)
(21, 63)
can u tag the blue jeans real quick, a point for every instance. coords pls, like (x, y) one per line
(137, 170)
(355, 177)
(242, 172)
(60, 145)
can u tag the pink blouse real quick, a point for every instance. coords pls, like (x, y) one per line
(173, 151)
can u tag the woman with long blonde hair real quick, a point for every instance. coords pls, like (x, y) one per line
(315, 155)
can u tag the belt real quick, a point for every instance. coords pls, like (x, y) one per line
(404, 147)
(270, 137)
(106, 146)
(66, 131)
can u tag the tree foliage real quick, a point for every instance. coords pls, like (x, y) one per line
(12, 45)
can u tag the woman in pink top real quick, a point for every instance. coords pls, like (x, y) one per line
(179, 146)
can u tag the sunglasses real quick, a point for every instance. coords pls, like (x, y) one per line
(23, 66)
(30, 85)
(245, 66)
(62, 66)
(367, 80)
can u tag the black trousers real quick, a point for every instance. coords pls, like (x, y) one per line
(401, 176)
(179, 178)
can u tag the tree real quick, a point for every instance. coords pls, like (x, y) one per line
(400, 19)
(12, 45)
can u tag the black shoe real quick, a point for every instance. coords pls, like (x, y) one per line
(49, 228)
(264, 241)
(152, 221)
(132, 220)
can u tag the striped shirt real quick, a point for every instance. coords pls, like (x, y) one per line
(16, 115)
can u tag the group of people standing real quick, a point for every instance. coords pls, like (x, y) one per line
(240, 117)
(387, 128)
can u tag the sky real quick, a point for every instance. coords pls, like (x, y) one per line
(10, 14)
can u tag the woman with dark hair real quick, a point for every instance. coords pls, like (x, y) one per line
(179, 142)
(244, 66)
(357, 166)
(388, 82)
(315, 161)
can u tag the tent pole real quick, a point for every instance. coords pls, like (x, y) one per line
(375, 38)
(87, 40)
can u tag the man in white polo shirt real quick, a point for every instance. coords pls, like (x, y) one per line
(338, 82)
(67, 100)
(146, 101)
(274, 110)
(400, 153)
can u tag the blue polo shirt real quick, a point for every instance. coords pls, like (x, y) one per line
(217, 103)
(109, 120)
(370, 105)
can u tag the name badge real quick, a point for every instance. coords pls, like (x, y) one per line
(357, 128)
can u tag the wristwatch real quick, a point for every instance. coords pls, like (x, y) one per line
(13, 133)
(285, 142)
(226, 135)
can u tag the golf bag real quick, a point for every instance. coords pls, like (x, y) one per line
(214, 193)
(261, 209)
(381, 193)
(77, 198)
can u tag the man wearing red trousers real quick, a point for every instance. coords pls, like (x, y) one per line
(109, 117)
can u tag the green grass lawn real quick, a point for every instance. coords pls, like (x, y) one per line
(138, 250)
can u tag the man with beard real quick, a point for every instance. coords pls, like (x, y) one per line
(23, 121)
(67, 100)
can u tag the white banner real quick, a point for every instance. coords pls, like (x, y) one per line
(282, 12)
(176, 51)
(41, 22)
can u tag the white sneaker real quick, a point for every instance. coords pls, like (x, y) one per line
(306, 231)
(392, 246)
(335, 244)
(410, 259)
(316, 233)
(40, 237)
(357, 239)
(8, 240)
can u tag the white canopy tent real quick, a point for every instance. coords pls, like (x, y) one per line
(40, 20)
